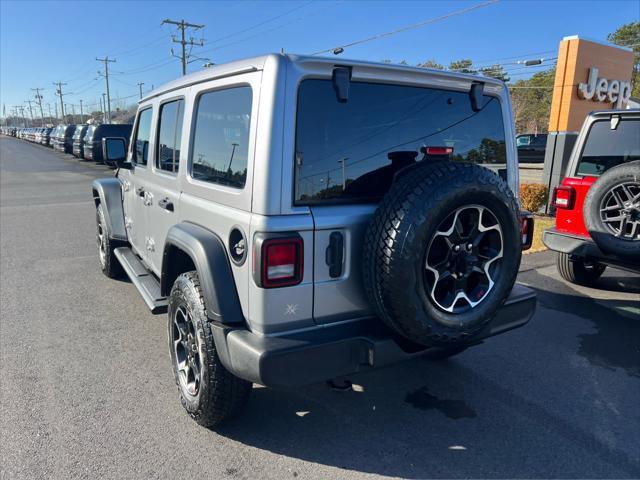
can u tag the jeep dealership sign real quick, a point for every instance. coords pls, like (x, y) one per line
(601, 89)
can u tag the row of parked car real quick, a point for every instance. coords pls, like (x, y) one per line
(82, 141)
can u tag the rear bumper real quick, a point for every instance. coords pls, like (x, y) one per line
(571, 244)
(583, 247)
(324, 353)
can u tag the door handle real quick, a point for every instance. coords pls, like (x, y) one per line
(334, 254)
(140, 191)
(166, 204)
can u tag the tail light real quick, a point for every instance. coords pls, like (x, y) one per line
(437, 150)
(563, 197)
(278, 260)
(526, 230)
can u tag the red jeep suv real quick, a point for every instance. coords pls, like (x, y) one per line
(598, 203)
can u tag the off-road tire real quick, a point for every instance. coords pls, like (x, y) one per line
(397, 237)
(221, 394)
(605, 239)
(109, 264)
(578, 270)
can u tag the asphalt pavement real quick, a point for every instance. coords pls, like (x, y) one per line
(86, 389)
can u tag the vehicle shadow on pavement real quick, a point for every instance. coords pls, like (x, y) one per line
(615, 342)
(451, 419)
(417, 420)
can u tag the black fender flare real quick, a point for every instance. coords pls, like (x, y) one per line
(108, 192)
(209, 256)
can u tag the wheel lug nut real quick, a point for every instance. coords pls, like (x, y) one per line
(456, 248)
(470, 246)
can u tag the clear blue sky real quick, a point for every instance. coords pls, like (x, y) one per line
(42, 42)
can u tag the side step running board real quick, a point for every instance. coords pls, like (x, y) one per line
(145, 282)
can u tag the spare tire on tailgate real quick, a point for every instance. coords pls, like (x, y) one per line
(612, 211)
(442, 252)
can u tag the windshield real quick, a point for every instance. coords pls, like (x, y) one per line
(350, 151)
(606, 147)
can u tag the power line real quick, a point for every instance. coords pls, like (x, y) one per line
(269, 30)
(340, 48)
(182, 25)
(298, 7)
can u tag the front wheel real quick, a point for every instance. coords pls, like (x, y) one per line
(579, 270)
(208, 391)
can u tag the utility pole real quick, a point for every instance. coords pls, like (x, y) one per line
(39, 100)
(56, 105)
(140, 87)
(50, 117)
(107, 61)
(73, 112)
(182, 25)
(344, 177)
(30, 111)
(60, 94)
(104, 109)
(81, 113)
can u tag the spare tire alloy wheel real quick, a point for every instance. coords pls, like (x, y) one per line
(463, 258)
(442, 252)
(612, 211)
(620, 210)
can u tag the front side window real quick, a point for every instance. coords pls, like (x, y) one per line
(221, 138)
(142, 137)
(607, 147)
(350, 151)
(169, 136)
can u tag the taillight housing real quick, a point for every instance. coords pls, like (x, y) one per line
(278, 260)
(526, 229)
(564, 197)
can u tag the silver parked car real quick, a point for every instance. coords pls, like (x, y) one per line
(302, 218)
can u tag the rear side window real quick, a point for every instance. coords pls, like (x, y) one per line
(606, 147)
(143, 134)
(221, 138)
(169, 136)
(349, 152)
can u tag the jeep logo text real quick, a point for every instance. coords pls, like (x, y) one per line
(603, 90)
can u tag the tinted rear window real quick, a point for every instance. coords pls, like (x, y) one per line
(605, 147)
(343, 150)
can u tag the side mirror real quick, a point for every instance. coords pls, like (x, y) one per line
(114, 152)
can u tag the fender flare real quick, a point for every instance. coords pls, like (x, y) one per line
(209, 255)
(108, 192)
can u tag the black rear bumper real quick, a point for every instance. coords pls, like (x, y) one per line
(582, 247)
(324, 353)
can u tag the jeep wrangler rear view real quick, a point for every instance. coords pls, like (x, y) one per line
(301, 220)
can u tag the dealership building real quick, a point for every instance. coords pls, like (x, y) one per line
(590, 75)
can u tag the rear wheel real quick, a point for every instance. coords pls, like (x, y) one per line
(579, 270)
(109, 264)
(208, 391)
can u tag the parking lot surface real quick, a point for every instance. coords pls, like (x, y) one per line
(86, 387)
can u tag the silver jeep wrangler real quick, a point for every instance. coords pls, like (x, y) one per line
(301, 219)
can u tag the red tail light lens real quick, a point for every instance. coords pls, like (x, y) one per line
(526, 230)
(438, 150)
(281, 262)
(564, 197)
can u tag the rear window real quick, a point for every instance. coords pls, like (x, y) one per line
(606, 147)
(349, 152)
